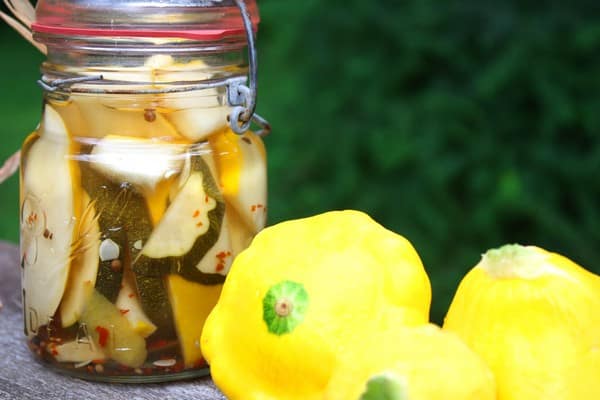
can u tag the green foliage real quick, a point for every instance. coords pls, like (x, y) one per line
(20, 109)
(462, 125)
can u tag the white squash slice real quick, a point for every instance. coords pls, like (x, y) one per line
(191, 115)
(47, 219)
(110, 117)
(195, 114)
(185, 220)
(129, 305)
(198, 114)
(76, 351)
(242, 169)
(84, 267)
(218, 258)
(240, 235)
(132, 116)
(142, 162)
(234, 237)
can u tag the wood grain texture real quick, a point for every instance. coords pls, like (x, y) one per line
(22, 377)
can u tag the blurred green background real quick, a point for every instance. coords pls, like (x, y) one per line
(462, 125)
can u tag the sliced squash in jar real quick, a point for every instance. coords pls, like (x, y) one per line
(76, 351)
(187, 219)
(112, 333)
(125, 226)
(195, 114)
(71, 115)
(84, 267)
(129, 305)
(198, 114)
(218, 258)
(240, 234)
(49, 205)
(241, 165)
(112, 208)
(191, 225)
(113, 116)
(144, 163)
(152, 291)
(235, 236)
(192, 302)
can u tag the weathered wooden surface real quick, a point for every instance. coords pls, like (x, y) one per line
(21, 377)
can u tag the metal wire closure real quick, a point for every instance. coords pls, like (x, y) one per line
(242, 114)
(239, 96)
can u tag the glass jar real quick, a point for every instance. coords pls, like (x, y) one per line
(136, 193)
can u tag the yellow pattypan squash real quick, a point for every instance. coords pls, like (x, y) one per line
(534, 317)
(411, 363)
(294, 296)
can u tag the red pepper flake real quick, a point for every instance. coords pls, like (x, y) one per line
(206, 198)
(123, 312)
(199, 224)
(259, 206)
(131, 295)
(196, 213)
(253, 208)
(51, 348)
(222, 256)
(103, 336)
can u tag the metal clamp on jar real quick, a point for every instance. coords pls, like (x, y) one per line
(141, 183)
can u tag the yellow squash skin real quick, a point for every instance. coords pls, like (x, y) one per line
(342, 273)
(242, 165)
(191, 302)
(534, 317)
(428, 363)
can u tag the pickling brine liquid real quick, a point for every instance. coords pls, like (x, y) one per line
(131, 215)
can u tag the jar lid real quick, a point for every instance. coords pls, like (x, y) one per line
(186, 19)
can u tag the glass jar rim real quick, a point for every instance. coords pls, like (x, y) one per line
(192, 34)
(201, 20)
